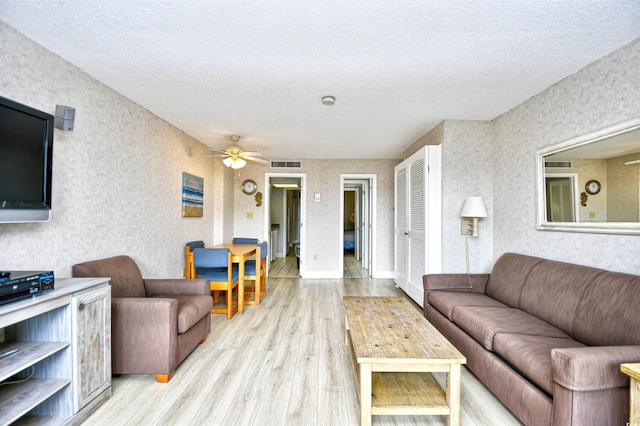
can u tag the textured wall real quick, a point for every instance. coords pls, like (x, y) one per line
(117, 177)
(604, 93)
(623, 195)
(466, 172)
(323, 224)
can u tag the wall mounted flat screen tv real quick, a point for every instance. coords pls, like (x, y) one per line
(26, 151)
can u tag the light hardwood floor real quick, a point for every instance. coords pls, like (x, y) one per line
(286, 267)
(281, 363)
(352, 268)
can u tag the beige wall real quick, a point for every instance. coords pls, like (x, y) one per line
(117, 177)
(623, 184)
(323, 226)
(602, 94)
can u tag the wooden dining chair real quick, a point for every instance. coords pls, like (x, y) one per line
(256, 271)
(188, 254)
(222, 275)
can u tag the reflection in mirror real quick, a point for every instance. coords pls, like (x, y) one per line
(592, 183)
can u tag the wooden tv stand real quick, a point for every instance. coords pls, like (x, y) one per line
(63, 342)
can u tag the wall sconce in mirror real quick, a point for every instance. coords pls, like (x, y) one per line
(603, 166)
(472, 210)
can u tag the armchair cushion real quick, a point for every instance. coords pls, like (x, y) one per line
(191, 308)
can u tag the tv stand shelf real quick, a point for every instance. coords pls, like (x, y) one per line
(20, 398)
(61, 371)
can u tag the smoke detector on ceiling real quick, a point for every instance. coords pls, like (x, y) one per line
(328, 100)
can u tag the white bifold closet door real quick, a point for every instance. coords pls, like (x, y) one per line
(417, 220)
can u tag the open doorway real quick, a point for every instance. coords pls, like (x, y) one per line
(284, 202)
(562, 201)
(357, 218)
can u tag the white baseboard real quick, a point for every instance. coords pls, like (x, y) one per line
(322, 274)
(338, 274)
(384, 274)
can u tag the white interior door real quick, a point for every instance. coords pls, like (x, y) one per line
(418, 216)
(401, 228)
(561, 197)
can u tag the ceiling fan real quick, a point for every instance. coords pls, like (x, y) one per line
(235, 156)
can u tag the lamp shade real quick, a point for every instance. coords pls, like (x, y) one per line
(474, 207)
(234, 163)
(238, 163)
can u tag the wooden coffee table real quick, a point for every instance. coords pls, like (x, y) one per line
(394, 349)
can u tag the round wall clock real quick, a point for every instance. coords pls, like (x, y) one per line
(249, 186)
(592, 187)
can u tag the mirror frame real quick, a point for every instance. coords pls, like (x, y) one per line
(632, 228)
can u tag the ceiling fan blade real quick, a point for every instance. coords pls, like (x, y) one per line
(218, 150)
(259, 160)
(254, 153)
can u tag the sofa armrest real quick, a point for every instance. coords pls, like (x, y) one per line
(474, 283)
(154, 287)
(593, 367)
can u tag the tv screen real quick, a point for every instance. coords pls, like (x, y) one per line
(26, 148)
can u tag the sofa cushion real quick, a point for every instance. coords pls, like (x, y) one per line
(446, 301)
(608, 313)
(553, 290)
(191, 309)
(508, 276)
(483, 323)
(531, 355)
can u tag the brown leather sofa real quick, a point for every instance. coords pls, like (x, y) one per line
(155, 323)
(546, 337)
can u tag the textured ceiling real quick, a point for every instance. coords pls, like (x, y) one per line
(259, 69)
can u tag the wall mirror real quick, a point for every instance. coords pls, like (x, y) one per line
(591, 183)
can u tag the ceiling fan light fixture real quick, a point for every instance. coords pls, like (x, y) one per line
(328, 100)
(234, 163)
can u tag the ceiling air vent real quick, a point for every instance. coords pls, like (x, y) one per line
(557, 164)
(286, 164)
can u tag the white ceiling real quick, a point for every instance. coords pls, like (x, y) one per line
(259, 68)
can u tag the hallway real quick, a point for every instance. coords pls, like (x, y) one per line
(286, 267)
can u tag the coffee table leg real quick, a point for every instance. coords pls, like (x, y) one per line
(365, 394)
(346, 331)
(453, 395)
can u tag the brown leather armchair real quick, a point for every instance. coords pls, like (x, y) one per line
(155, 323)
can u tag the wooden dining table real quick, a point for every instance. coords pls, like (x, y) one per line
(239, 253)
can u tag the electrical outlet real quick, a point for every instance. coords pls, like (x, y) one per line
(466, 227)
(592, 215)
(184, 272)
(249, 215)
(315, 257)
